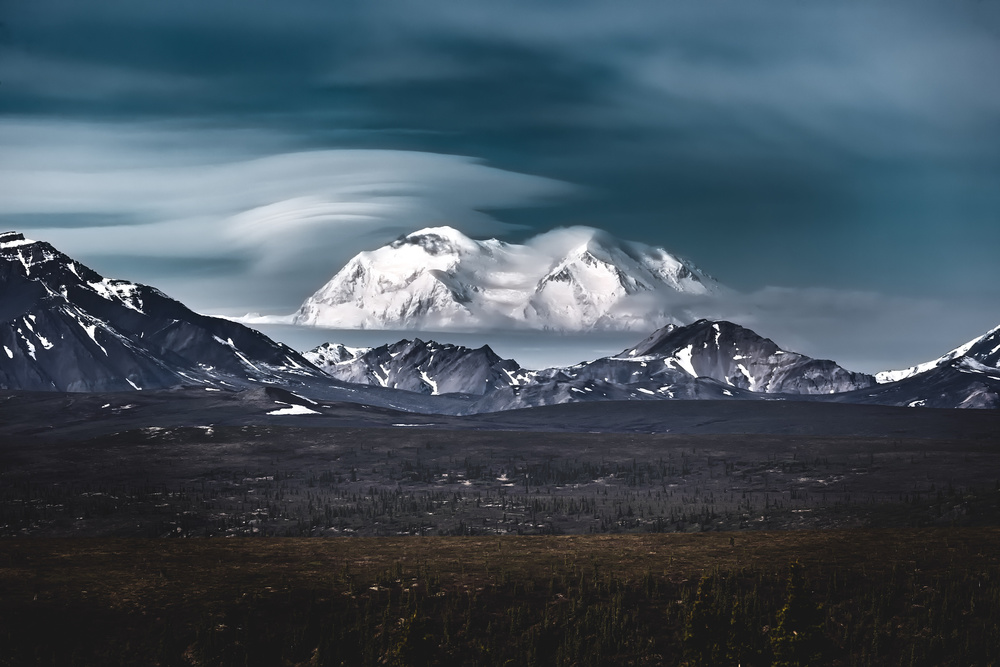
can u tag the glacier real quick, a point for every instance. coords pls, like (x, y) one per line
(571, 279)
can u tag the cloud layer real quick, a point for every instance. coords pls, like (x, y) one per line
(236, 153)
(293, 217)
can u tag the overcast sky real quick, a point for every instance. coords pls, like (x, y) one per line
(837, 162)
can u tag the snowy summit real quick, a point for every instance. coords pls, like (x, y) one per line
(573, 279)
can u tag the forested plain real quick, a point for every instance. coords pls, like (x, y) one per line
(278, 544)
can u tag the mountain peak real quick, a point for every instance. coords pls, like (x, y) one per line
(9, 239)
(443, 231)
(568, 279)
(984, 350)
(65, 327)
(438, 240)
(423, 367)
(740, 357)
(12, 240)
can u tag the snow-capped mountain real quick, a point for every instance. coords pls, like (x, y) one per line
(739, 357)
(713, 360)
(962, 382)
(569, 280)
(983, 350)
(966, 377)
(64, 327)
(705, 359)
(423, 367)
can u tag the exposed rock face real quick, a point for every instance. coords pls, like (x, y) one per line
(426, 368)
(705, 360)
(64, 327)
(739, 357)
(957, 383)
(984, 350)
(568, 280)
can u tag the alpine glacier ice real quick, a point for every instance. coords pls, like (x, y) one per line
(573, 279)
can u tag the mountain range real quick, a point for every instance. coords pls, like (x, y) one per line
(423, 367)
(702, 360)
(64, 327)
(575, 279)
(705, 360)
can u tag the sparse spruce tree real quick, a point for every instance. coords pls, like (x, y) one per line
(706, 628)
(798, 639)
(415, 646)
(743, 642)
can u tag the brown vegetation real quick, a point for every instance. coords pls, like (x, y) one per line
(888, 597)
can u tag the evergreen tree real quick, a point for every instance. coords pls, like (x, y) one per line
(798, 638)
(744, 641)
(706, 628)
(416, 644)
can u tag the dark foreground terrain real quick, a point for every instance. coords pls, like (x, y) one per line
(535, 537)
(839, 597)
(210, 464)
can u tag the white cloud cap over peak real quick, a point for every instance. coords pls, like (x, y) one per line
(291, 215)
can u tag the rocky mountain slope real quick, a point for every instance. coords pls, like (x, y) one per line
(704, 360)
(966, 377)
(984, 350)
(423, 367)
(741, 358)
(958, 383)
(713, 360)
(65, 327)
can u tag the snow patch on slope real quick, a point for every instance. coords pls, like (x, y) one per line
(683, 359)
(294, 410)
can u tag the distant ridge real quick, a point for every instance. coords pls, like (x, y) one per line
(426, 368)
(707, 359)
(66, 328)
(966, 377)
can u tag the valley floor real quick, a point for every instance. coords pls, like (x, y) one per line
(277, 480)
(839, 597)
(683, 533)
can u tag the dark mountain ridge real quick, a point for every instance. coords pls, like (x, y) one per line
(422, 367)
(64, 327)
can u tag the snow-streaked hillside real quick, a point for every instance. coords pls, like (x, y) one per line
(423, 367)
(740, 357)
(984, 350)
(707, 360)
(64, 327)
(574, 279)
(966, 377)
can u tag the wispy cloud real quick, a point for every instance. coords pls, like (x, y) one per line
(295, 215)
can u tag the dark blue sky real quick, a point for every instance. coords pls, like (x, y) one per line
(837, 162)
